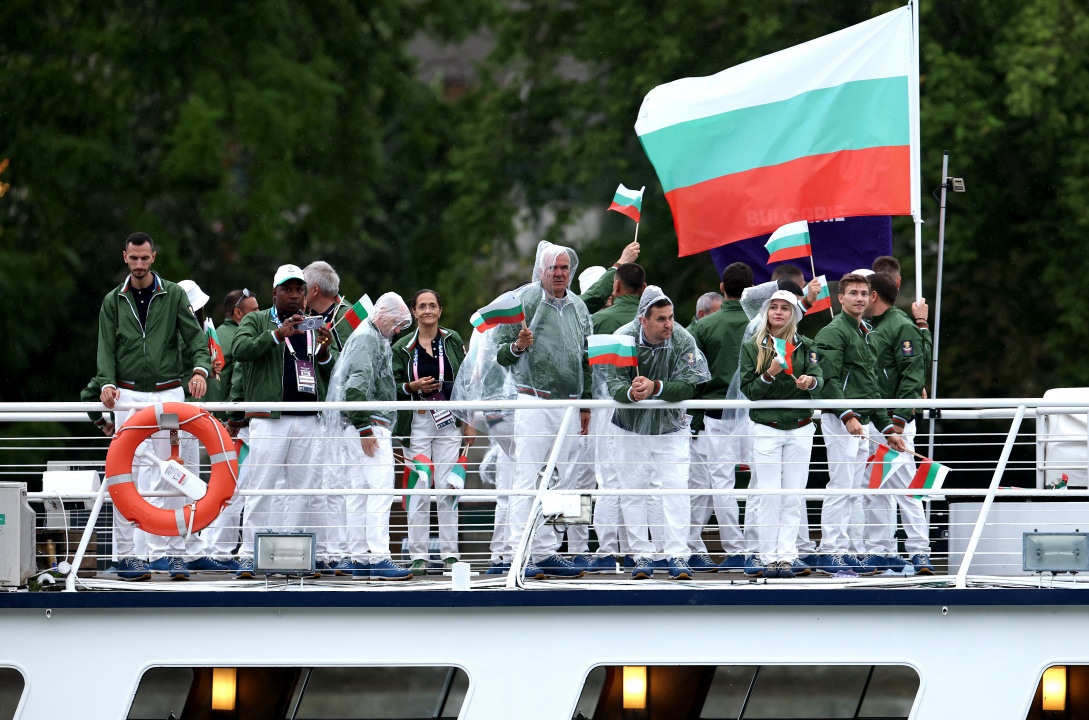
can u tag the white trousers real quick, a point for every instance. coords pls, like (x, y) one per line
(281, 458)
(714, 454)
(442, 445)
(846, 470)
(880, 510)
(500, 546)
(223, 535)
(654, 462)
(127, 539)
(363, 529)
(536, 431)
(780, 461)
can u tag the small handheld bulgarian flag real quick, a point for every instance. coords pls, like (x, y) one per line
(418, 474)
(929, 476)
(628, 202)
(882, 464)
(359, 312)
(784, 351)
(618, 350)
(214, 348)
(505, 310)
(456, 477)
(824, 299)
(789, 242)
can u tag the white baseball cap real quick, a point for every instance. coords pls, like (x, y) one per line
(589, 276)
(197, 298)
(864, 272)
(287, 272)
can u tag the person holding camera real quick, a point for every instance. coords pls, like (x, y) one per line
(286, 357)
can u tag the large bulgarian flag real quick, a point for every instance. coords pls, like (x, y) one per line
(789, 242)
(628, 202)
(505, 310)
(826, 129)
(824, 298)
(929, 476)
(618, 350)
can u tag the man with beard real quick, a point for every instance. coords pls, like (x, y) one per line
(280, 363)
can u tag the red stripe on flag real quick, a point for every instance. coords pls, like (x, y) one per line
(614, 359)
(629, 210)
(877, 467)
(822, 304)
(792, 253)
(875, 181)
(919, 481)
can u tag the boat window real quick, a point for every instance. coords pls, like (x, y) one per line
(1062, 692)
(317, 693)
(749, 692)
(11, 690)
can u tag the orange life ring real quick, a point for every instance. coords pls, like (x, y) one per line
(121, 484)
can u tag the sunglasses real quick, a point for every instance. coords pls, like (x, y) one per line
(245, 294)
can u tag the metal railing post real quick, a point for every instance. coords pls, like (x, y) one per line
(1000, 469)
(70, 581)
(515, 578)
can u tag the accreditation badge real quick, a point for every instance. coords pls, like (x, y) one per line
(305, 377)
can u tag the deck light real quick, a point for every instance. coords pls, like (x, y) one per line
(635, 687)
(288, 553)
(224, 683)
(1055, 552)
(1055, 688)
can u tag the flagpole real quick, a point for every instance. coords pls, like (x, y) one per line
(916, 176)
(938, 301)
(636, 231)
(909, 452)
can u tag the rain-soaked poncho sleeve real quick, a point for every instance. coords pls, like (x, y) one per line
(482, 378)
(553, 365)
(753, 298)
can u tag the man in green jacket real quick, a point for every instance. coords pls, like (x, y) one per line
(628, 284)
(649, 448)
(900, 353)
(237, 305)
(280, 363)
(715, 448)
(149, 344)
(848, 367)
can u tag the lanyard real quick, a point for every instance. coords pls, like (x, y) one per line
(416, 360)
(287, 341)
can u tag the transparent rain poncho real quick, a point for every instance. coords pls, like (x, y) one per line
(363, 372)
(482, 378)
(676, 359)
(553, 366)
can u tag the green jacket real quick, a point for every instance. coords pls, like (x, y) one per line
(620, 313)
(847, 365)
(403, 350)
(219, 390)
(598, 294)
(782, 387)
(719, 336)
(91, 393)
(261, 358)
(900, 352)
(676, 364)
(554, 365)
(161, 355)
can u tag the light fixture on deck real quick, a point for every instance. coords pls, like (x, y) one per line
(1056, 552)
(224, 685)
(635, 687)
(1054, 683)
(285, 553)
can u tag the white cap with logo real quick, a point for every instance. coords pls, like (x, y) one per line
(287, 272)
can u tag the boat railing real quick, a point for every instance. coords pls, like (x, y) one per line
(1006, 478)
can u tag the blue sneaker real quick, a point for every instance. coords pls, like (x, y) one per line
(812, 560)
(231, 564)
(661, 565)
(558, 566)
(642, 569)
(771, 570)
(702, 562)
(922, 564)
(629, 562)
(245, 569)
(836, 565)
(678, 569)
(602, 564)
(799, 568)
(534, 573)
(207, 564)
(133, 568)
(388, 570)
(783, 568)
(858, 566)
(582, 561)
(500, 568)
(896, 563)
(878, 562)
(753, 568)
(172, 565)
(733, 563)
(345, 567)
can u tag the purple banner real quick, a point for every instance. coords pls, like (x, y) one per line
(839, 246)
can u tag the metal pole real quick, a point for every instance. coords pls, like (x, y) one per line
(938, 302)
(70, 581)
